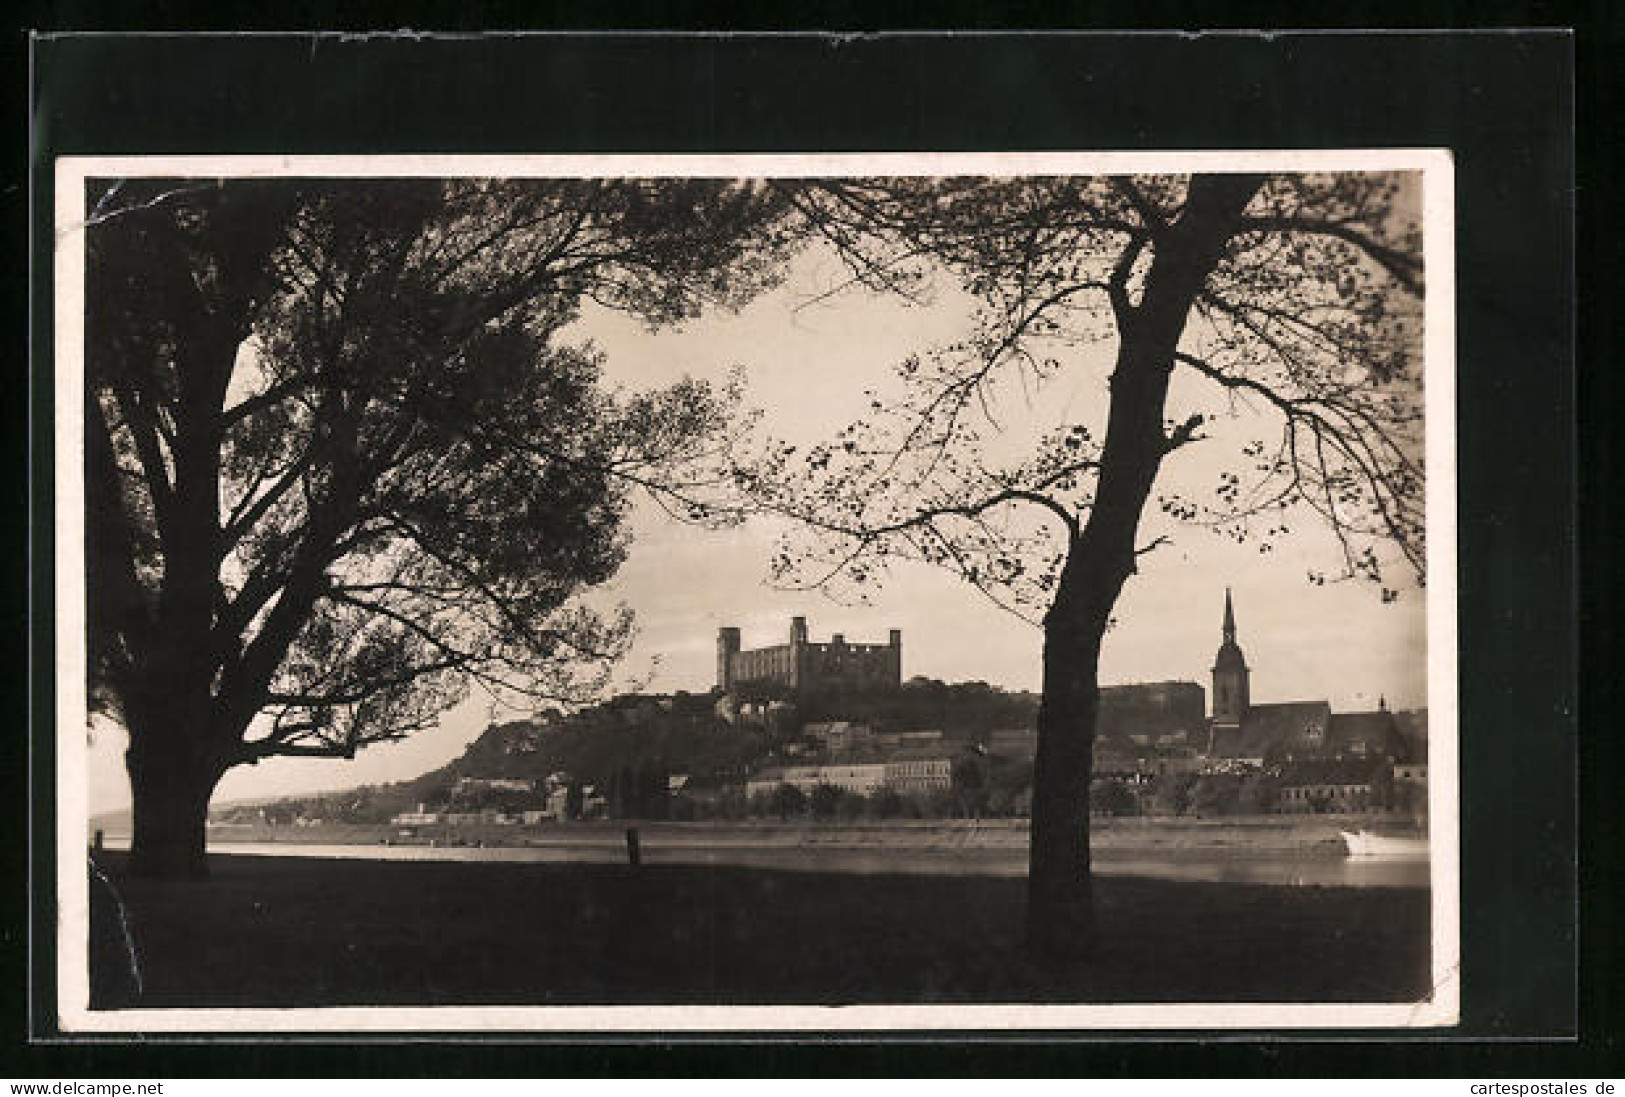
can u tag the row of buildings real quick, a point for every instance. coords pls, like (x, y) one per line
(1149, 736)
(527, 802)
(1315, 759)
(916, 775)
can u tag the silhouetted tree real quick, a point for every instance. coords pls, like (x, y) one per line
(1113, 798)
(824, 801)
(1294, 294)
(851, 806)
(886, 804)
(1258, 795)
(340, 465)
(787, 800)
(970, 785)
(1171, 794)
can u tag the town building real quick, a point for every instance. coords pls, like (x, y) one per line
(861, 778)
(1410, 773)
(803, 667)
(839, 736)
(908, 774)
(921, 737)
(1340, 785)
(918, 775)
(466, 785)
(1012, 742)
(419, 818)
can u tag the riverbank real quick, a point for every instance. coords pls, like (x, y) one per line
(1260, 834)
(307, 932)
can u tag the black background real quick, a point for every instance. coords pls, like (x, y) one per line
(1504, 103)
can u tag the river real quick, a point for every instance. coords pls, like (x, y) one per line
(1227, 866)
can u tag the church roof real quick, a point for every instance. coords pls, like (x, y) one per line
(1373, 733)
(1229, 657)
(1308, 730)
(1266, 727)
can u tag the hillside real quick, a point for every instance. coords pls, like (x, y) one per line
(678, 733)
(650, 733)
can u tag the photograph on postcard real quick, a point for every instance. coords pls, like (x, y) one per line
(976, 591)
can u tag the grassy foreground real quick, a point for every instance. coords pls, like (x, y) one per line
(307, 932)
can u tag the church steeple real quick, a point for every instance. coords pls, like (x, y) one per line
(1230, 673)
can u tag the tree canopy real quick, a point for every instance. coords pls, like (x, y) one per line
(1297, 294)
(1310, 315)
(342, 461)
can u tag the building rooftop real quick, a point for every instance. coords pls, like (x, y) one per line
(1266, 727)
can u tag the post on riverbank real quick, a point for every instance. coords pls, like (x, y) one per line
(634, 847)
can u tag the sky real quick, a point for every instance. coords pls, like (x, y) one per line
(807, 363)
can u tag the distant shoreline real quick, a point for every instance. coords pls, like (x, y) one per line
(1239, 834)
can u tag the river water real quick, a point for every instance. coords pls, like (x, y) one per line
(1210, 866)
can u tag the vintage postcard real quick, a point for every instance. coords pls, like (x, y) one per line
(828, 593)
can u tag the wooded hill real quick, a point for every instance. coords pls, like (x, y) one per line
(673, 733)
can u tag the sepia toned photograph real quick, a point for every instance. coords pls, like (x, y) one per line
(740, 593)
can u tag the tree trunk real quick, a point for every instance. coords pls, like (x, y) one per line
(1060, 899)
(171, 787)
(1101, 557)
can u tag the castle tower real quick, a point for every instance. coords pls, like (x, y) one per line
(1230, 674)
(798, 651)
(727, 648)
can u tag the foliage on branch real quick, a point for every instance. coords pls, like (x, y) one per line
(1310, 317)
(342, 463)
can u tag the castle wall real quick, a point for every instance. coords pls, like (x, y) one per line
(775, 664)
(805, 667)
(838, 666)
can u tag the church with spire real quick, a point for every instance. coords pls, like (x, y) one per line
(1230, 693)
(1285, 731)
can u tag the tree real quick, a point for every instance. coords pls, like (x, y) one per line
(341, 465)
(851, 806)
(825, 801)
(970, 785)
(1411, 798)
(886, 804)
(1171, 795)
(1010, 784)
(731, 803)
(1259, 794)
(1216, 794)
(1112, 797)
(786, 800)
(1297, 296)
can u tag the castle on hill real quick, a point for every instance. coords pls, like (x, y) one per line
(1167, 724)
(802, 667)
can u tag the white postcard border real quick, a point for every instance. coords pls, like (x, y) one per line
(71, 701)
